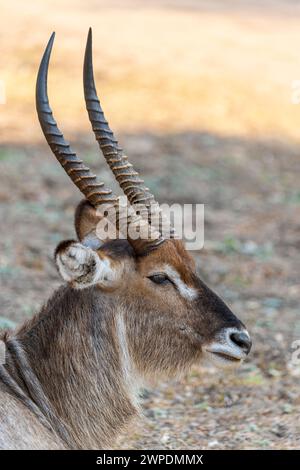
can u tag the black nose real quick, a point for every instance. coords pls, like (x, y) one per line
(242, 340)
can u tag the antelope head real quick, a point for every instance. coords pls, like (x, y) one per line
(164, 315)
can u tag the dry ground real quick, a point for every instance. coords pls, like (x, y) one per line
(200, 93)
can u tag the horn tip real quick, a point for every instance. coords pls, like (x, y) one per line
(50, 43)
(52, 37)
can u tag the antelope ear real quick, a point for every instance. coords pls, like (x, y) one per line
(86, 220)
(82, 267)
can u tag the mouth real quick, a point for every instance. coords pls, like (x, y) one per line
(227, 357)
(230, 348)
(224, 358)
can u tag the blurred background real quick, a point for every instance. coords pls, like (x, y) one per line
(203, 96)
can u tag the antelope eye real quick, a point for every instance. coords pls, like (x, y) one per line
(159, 279)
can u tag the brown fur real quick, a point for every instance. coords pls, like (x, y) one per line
(69, 378)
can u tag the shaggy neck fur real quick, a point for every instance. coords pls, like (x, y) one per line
(70, 364)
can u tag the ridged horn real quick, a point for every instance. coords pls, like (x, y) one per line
(95, 191)
(127, 177)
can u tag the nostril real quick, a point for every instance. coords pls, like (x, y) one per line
(242, 340)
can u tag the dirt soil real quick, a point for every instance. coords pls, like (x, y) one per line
(240, 157)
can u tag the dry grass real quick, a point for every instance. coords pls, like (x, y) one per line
(225, 67)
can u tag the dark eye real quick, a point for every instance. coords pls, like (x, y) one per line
(159, 279)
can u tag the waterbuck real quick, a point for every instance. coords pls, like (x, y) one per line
(131, 309)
